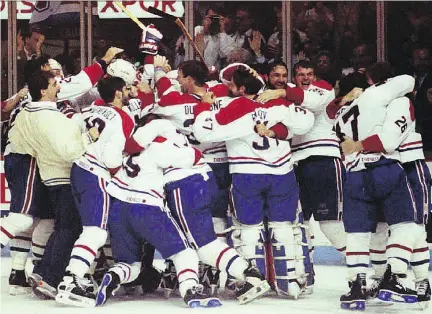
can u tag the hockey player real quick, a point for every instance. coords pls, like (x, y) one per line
(409, 145)
(189, 193)
(319, 172)
(267, 163)
(138, 214)
(22, 171)
(90, 174)
(177, 107)
(386, 188)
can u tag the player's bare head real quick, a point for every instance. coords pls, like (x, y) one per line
(304, 74)
(243, 83)
(192, 73)
(39, 64)
(379, 72)
(113, 90)
(43, 86)
(277, 75)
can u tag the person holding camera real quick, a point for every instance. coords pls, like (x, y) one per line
(212, 40)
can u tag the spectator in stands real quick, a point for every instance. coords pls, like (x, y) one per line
(355, 76)
(346, 26)
(29, 47)
(212, 40)
(422, 72)
(247, 36)
(326, 68)
(274, 44)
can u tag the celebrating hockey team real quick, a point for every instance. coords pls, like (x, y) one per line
(201, 181)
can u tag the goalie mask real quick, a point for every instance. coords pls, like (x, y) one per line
(150, 40)
(124, 70)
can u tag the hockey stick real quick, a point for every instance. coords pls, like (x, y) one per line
(179, 24)
(131, 16)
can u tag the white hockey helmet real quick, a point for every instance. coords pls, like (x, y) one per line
(56, 68)
(122, 69)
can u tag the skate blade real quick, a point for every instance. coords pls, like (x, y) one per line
(377, 302)
(43, 293)
(355, 305)
(209, 302)
(19, 290)
(390, 296)
(70, 299)
(167, 292)
(254, 293)
(213, 289)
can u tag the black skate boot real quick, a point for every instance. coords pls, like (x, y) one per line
(18, 282)
(169, 280)
(72, 291)
(197, 297)
(210, 279)
(254, 285)
(355, 299)
(423, 289)
(393, 290)
(108, 287)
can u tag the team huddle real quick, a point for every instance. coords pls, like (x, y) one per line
(219, 177)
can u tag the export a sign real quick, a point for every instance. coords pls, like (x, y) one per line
(108, 9)
(105, 9)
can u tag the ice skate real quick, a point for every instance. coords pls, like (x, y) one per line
(355, 299)
(254, 286)
(18, 283)
(393, 290)
(196, 297)
(72, 291)
(108, 287)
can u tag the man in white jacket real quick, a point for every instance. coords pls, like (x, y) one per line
(43, 132)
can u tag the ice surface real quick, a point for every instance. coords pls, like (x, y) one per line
(330, 284)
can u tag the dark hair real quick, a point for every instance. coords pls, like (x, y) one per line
(38, 81)
(277, 63)
(196, 70)
(305, 64)
(108, 86)
(242, 77)
(33, 66)
(379, 72)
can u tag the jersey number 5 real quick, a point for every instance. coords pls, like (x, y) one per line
(131, 168)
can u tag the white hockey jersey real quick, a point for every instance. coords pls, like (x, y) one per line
(321, 140)
(164, 129)
(247, 151)
(398, 132)
(105, 156)
(366, 117)
(178, 108)
(141, 179)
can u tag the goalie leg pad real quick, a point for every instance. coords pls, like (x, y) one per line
(249, 241)
(289, 250)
